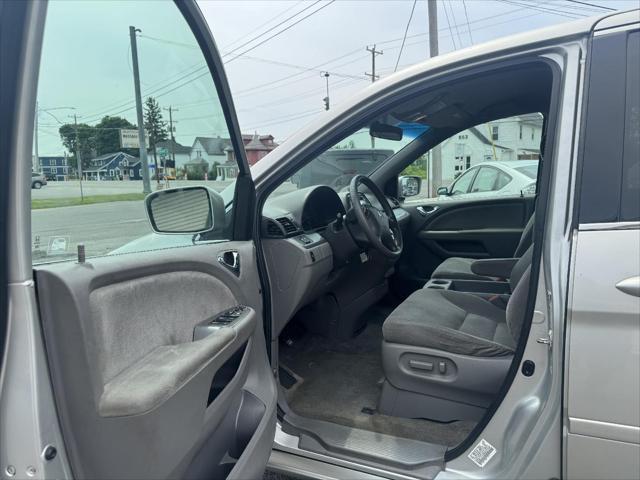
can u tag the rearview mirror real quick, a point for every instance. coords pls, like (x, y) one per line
(409, 186)
(442, 191)
(185, 210)
(385, 131)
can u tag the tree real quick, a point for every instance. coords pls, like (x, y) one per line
(108, 135)
(82, 140)
(156, 127)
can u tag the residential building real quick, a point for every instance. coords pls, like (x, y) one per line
(167, 150)
(209, 149)
(55, 168)
(514, 138)
(256, 147)
(113, 166)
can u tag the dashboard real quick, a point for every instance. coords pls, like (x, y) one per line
(307, 257)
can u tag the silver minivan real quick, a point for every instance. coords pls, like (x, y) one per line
(326, 330)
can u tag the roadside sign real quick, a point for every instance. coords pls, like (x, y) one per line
(163, 152)
(58, 245)
(129, 138)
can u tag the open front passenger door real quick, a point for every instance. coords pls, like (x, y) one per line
(147, 358)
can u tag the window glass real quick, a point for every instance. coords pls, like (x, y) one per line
(357, 154)
(463, 183)
(88, 125)
(485, 180)
(513, 158)
(630, 198)
(503, 180)
(610, 189)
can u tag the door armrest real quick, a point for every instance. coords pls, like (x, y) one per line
(494, 267)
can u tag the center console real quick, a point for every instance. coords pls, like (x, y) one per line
(471, 286)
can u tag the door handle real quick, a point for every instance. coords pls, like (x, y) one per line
(426, 211)
(630, 286)
(231, 260)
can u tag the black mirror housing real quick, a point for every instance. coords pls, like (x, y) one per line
(442, 191)
(385, 131)
(185, 210)
(409, 186)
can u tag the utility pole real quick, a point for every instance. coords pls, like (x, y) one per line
(373, 76)
(78, 157)
(172, 137)
(434, 174)
(326, 99)
(146, 183)
(374, 53)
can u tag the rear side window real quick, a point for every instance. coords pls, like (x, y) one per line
(610, 188)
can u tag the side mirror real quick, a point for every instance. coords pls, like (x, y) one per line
(409, 186)
(185, 210)
(443, 191)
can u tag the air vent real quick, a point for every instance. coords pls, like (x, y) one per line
(287, 224)
(274, 230)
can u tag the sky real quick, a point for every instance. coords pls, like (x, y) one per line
(275, 52)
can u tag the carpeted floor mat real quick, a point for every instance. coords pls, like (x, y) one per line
(341, 382)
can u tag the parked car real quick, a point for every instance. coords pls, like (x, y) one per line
(38, 180)
(323, 332)
(494, 178)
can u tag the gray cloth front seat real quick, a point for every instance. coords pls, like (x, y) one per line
(459, 322)
(446, 353)
(460, 268)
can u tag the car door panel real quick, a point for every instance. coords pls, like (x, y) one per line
(472, 228)
(138, 397)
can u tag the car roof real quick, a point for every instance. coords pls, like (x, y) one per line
(501, 45)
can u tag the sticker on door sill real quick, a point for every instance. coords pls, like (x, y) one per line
(482, 453)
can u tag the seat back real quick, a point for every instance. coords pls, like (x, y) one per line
(517, 305)
(526, 239)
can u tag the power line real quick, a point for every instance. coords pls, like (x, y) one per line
(544, 9)
(592, 5)
(466, 16)
(455, 23)
(275, 17)
(406, 30)
(279, 32)
(272, 28)
(446, 16)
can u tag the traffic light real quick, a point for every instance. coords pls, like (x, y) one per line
(326, 103)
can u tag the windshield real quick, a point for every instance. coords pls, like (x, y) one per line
(358, 154)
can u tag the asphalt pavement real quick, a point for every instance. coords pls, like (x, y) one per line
(101, 227)
(72, 188)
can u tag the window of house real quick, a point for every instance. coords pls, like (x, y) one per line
(494, 132)
(105, 104)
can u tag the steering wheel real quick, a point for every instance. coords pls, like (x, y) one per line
(379, 225)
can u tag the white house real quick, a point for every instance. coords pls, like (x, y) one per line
(514, 138)
(210, 150)
(168, 149)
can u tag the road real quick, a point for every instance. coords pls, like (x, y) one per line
(72, 188)
(101, 227)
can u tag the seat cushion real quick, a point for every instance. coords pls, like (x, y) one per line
(457, 268)
(451, 321)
